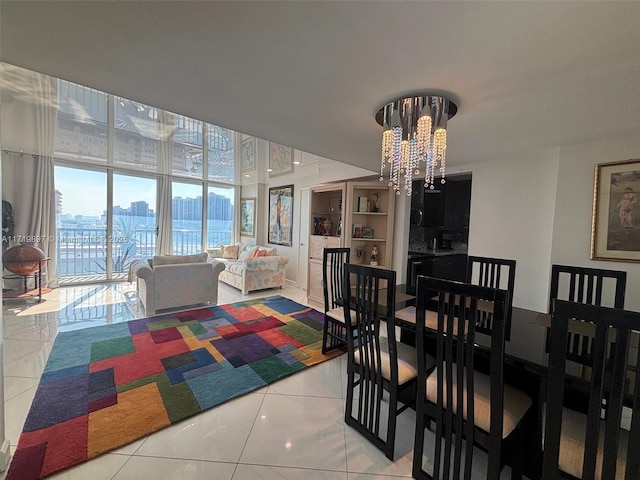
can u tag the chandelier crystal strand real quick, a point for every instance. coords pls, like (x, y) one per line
(423, 135)
(405, 163)
(397, 159)
(428, 178)
(413, 164)
(387, 144)
(440, 150)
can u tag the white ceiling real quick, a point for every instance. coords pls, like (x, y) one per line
(525, 75)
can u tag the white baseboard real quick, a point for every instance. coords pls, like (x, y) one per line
(5, 455)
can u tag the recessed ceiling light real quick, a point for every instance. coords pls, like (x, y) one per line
(269, 170)
(247, 175)
(296, 163)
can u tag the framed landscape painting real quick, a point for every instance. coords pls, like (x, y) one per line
(280, 159)
(616, 212)
(247, 217)
(281, 215)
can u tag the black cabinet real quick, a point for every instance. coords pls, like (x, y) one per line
(458, 204)
(449, 267)
(447, 205)
(434, 208)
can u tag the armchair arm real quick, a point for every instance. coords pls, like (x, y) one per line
(218, 266)
(140, 269)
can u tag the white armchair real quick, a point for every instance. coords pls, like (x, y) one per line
(176, 281)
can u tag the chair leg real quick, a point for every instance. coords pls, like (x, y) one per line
(418, 445)
(325, 329)
(391, 425)
(517, 455)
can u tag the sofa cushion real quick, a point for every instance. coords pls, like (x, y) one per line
(230, 252)
(215, 252)
(175, 259)
(237, 268)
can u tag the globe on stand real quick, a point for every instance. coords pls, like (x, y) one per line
(23, 259)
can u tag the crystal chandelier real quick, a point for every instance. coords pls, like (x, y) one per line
(414, 139)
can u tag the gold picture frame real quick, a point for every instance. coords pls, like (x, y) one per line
(615, 232)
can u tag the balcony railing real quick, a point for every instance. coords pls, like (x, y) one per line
(83, 251)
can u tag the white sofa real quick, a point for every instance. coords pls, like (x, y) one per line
(176, 281)
(248, 272)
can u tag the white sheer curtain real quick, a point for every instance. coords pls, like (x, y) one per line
(29, 115)
(164, 242)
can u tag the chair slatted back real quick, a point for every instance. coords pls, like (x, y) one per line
(494, 273)
(372, 302)
(334, 261)
(591, 286)
(453, 456)
(612, 385)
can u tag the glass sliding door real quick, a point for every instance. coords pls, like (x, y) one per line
(187, 217)
(81, 206)
(134, 221)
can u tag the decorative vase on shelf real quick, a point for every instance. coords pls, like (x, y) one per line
(328, 225)
(374, 255)
(375, 207)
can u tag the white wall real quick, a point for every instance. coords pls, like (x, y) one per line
(512, 210)
(538, 211)
(572, 223)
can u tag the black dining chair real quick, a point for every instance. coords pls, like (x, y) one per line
(334, 327)
(591, 286)
(381, 373)
(457, 396)
(591, 443)
(494, 273)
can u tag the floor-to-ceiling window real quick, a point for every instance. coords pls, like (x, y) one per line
(134, 220)
(81, 197)
(111, 153)
(187, 217)
(219, 216)
(100, 233)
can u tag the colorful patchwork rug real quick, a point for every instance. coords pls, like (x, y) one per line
(104, 387)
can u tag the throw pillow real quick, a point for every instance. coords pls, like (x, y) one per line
(230, 252)
(271, 251)
(248, 253)
(214, 252)
(260, 253)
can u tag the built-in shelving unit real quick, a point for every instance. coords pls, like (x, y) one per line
(369, 219)
(326, 231)
(358, 215)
